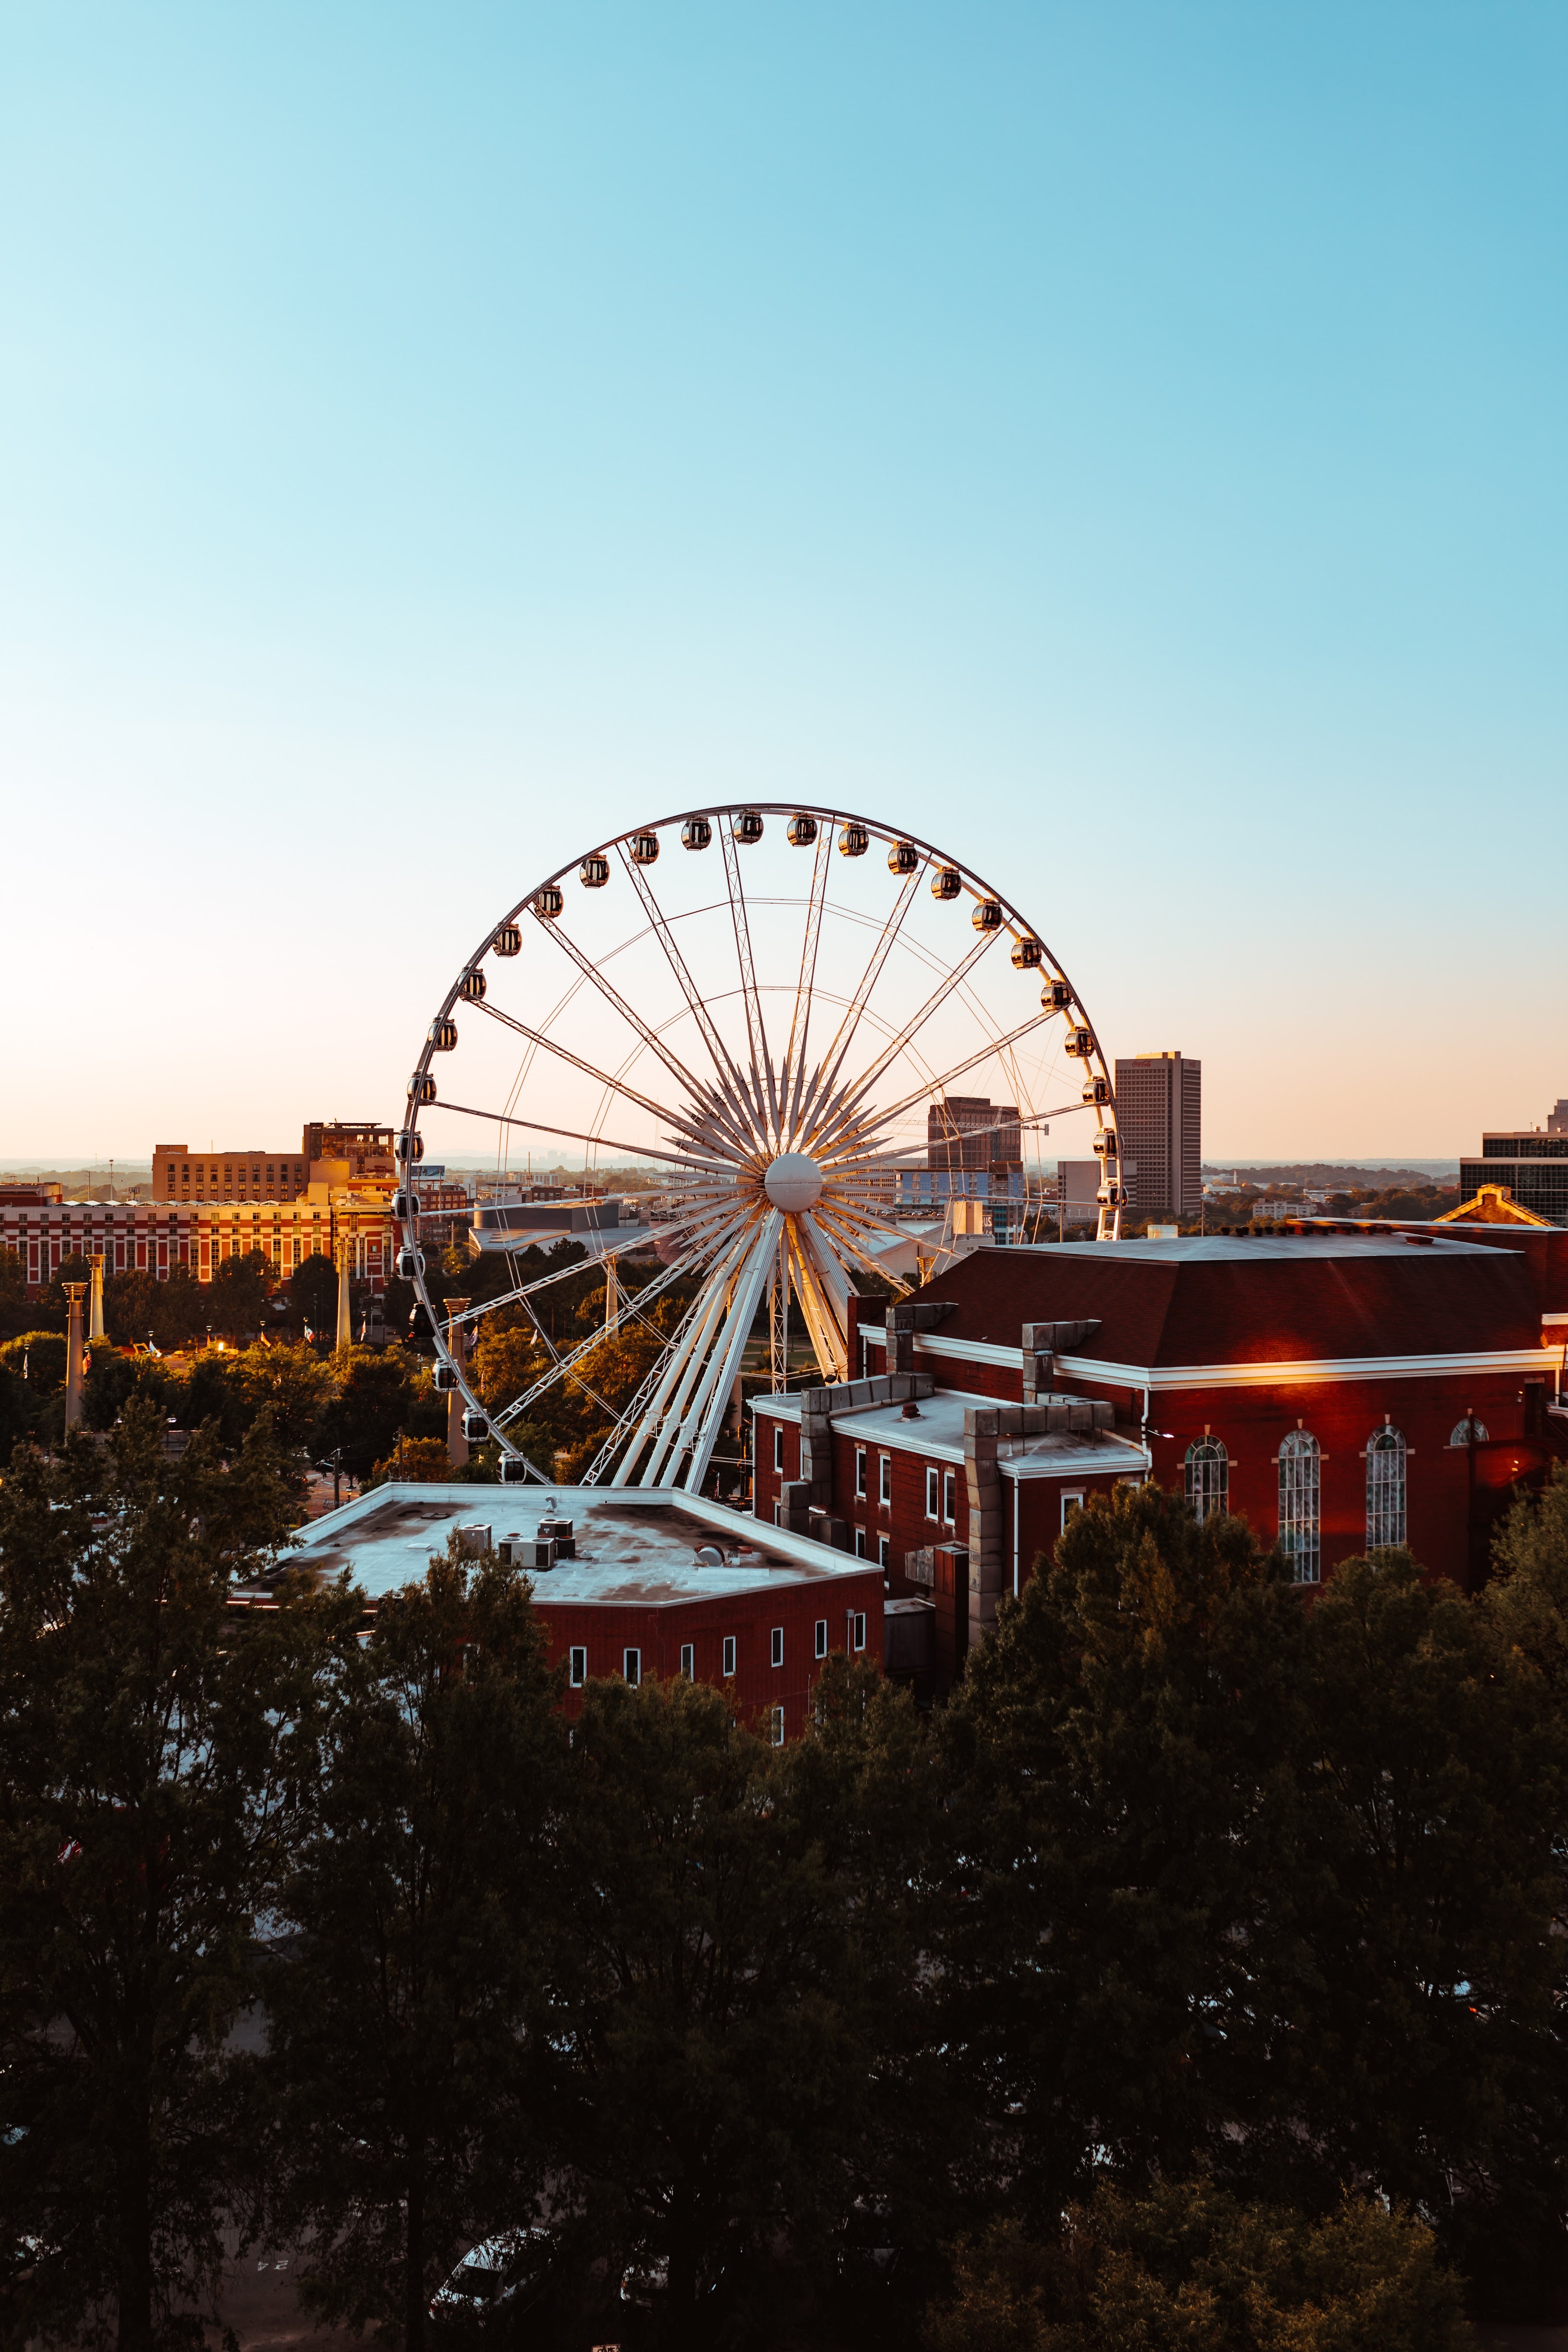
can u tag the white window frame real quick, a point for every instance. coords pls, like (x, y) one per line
(1301, 1506)
(821, 1637)
(1071, 1501)
(775, 1641)
(861, 1543)
(885, 1482)
(778, 1730)
(631, 1667)
(1387, 1489)
(726, 1658)
(778, 1446)
(577, 1667)
(950, 1498)
(884, 1553)
(859, 1473)
(858, 1629)
(1206, 1476)
(933, 1491)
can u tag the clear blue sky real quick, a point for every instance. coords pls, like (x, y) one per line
(1124, 442)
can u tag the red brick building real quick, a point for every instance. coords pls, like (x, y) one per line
(654, 1583)
(1343, 1388)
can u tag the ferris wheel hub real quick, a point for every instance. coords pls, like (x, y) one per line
(792, 1183)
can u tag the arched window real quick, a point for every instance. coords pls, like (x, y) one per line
(1385, 1488)
(1469, 1431)
(1298, 1507)
(1208, 1477)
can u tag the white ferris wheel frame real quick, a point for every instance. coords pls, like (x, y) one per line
(749, 1229)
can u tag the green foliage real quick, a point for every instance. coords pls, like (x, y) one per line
(313, 1292)
(145, 1779)
(237, 1293)
(13, 1307)
(709, 1989)
(172, 1313)
(1528, 1602)
(1259, 1886)
(1188, 2269)
(398, 2047)
(38, 1357)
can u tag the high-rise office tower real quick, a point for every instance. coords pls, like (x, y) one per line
(1159, 1117)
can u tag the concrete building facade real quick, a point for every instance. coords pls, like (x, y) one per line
(1159, 1119)
(1531, 1161)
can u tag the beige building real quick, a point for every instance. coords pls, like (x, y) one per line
(331, 1152)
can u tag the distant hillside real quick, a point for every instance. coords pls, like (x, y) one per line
(1323, 1175)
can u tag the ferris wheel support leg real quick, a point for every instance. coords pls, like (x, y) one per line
(715, 1402)
(667, 1420)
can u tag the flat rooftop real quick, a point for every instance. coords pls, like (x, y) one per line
(1320, 1241)
(636, 1547)
(938, 1435)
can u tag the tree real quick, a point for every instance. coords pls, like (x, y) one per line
(173, 1312)
(1427, 1883)
(1112, 1952)
(711, 2034)
(1187, 2269)
(420, 1460)
(145, 1769)
(398, 2053)
(313, 1292)
(1259, 1886)
(15, 1310)
(1528, 1602)
(236, 1298)
(379, 1393)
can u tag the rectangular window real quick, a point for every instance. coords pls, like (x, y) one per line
(778, 1445)
(933, 1484)
(858, 1629)
(689, 1661)
(859, 1543)
(778, 1645)
(821, 1637)
(778, 1726)
(884, 1550)
(729, 1654)
(1071, 1503)
(885, 1482)
(949, 1498)
(633, 1668)
(859, 1473)
(577, 1667)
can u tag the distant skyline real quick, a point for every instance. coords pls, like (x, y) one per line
(1123, 446)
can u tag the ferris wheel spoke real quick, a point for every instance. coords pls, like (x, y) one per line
(849, 1233)
(611, 1085)
(800, 1020)
(657, 1426)
(756, 1032)
(940, 1084)
(565, 1365)
(825, 1324)
(571, 1134)
(710, 1403)
(731, 1084)
(828, 1112)
(697, 1088)
(832, 1060)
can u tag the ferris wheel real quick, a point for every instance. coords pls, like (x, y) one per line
(813, 1029)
